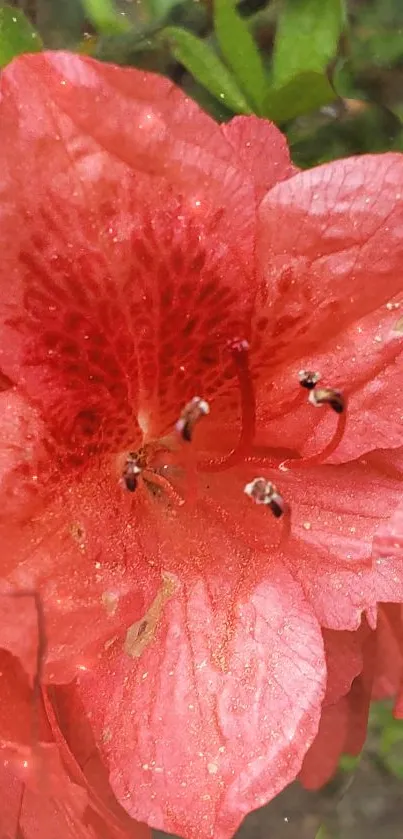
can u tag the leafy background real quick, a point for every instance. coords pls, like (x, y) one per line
(330, 73)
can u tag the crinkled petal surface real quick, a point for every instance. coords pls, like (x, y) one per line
(365, 362)
(330, 248)
(262, 150)
(57, 549)
(245, 685)
(336, 510)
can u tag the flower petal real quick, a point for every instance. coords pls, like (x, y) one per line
(244, 689)
(262, 149)
(63, 106)
(337, 511)
(344, 661)
(365, 362)
(331, 250)
(18, 714)
(128, 278)
(38, 793)
(388, 667)
(45, 800)
(321, 760)
(72, 733)
(67, 550)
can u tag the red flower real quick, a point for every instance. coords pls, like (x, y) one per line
(149, 257)
(361, 666)
(46, 791)
(374, 671)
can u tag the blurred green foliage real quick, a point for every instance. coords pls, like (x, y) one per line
(330, 72)
(388, 736)
(16, 35)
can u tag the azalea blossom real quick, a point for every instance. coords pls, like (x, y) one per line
(201, 376)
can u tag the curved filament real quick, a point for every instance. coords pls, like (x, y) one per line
(240, 355)
(320, 457)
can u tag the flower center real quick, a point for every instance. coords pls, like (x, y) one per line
(157, 463)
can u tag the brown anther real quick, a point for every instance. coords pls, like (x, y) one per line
(308, 379)
(328, 396)
(190, 416)
(131, 472)
(264, 492)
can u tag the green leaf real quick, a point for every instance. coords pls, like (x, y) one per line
(16, 35)
(300, 95)
(204, 65)
(307, 37)
(240, 52)
(349, 763)
(160, 9)
(61, 24)
(105, 17)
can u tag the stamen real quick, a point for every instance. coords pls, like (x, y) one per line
(131, 472)
(190, 416)
(327, 396)
(240, 354)
(337, 401)
(308, 379)
(264, 492)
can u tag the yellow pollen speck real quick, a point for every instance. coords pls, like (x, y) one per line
(106, 735)
(110, 601)
(77, 531)
(307, 525)
(141, 634)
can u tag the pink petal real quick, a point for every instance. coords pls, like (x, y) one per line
(18, 713)
(344, 661)
(59, 554)
(168, 260)
(261, 149)
(359, 700)
(336, 512)
(331, 250)
(41, 800)
(388, 543)
(245, 687)
(72, 110)
(365, 362)
(322, 758)
(388, 668)
(81, 758)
